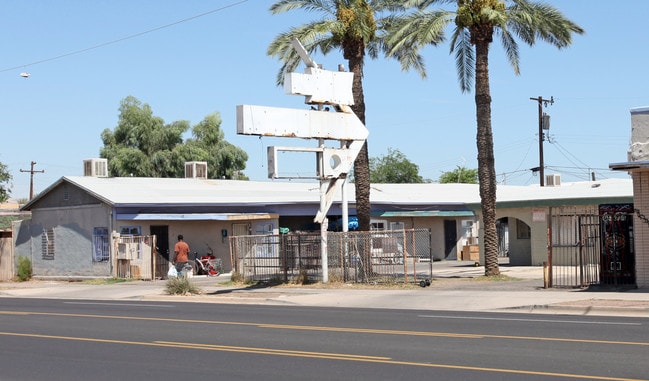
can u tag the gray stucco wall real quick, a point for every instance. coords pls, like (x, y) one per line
(73, 241)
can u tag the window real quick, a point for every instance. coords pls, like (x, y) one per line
(262, 228)
(378, 225)
(47, 244)
(100, 248)
(130, 230)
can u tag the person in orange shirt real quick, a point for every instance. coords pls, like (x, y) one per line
(181, 250)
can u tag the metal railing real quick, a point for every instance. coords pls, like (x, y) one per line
(391, 256)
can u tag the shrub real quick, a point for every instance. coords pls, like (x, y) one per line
(236, 277)
(181, 286)
(302, 278)
(24, 269)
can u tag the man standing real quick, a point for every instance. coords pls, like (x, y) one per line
(182, 254)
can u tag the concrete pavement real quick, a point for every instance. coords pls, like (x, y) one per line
(456, 286)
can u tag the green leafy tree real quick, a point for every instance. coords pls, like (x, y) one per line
(355, 27)
(5, 183)
(394, 168)
(476, 23)
(459, 175)
(143, 145)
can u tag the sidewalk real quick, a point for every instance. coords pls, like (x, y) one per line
(454, 288)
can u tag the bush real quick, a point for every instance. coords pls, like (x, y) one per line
(24, 269)
(181, 286)
(236, 277)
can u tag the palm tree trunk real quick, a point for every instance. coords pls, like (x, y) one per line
(354, 52)
(486, 162)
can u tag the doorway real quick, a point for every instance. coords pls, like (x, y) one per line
(162, 250)
(450, 239)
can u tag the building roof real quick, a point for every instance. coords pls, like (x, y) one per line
(572, 193)
(134, 191)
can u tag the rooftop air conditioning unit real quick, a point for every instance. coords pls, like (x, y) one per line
(553, 180)
(196, 170)
(95, 167)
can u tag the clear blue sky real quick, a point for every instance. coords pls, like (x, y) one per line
(212, 63)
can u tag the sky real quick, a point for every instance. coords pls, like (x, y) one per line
(188, 59)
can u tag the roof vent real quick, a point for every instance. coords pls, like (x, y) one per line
(553, 180)
(196, 170)
(95, 167)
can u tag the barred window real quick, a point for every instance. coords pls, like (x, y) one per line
(100, 245)
(47, 244)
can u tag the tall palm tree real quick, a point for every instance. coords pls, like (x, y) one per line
(476, 23)
(354, 27)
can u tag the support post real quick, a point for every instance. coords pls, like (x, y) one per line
(324, 225)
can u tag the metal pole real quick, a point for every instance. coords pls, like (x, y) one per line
(323, 236)
(541, 163)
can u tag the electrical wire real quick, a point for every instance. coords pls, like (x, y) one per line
(125, 38)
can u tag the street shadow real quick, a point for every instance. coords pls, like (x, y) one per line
(252, 287)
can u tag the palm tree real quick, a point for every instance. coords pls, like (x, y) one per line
(354, 27)
(476, 23)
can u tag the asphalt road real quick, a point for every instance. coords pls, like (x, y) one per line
(60, 339)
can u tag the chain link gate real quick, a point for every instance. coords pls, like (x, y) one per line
(391, 256)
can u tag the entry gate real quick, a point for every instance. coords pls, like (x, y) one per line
(591, 246)
(134, 257)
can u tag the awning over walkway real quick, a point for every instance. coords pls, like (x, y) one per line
(195, 216)
(427, 213)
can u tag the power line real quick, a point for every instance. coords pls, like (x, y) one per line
(126, 38)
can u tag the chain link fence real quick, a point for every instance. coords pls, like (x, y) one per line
(392, 256)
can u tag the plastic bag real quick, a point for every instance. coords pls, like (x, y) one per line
(172, 273)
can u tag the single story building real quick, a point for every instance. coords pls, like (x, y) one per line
(75, 220)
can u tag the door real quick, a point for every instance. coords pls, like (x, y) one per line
(162, 250)
(6, 256)
(617, 263)
(450, 239)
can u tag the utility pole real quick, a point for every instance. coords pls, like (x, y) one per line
(31, 178)
(542, 102)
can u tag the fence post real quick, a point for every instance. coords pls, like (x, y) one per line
(405, 263)
(549, 263)
(283, 255)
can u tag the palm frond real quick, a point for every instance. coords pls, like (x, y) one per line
(423, 4)
(314, 36)
(416, 30)
(282, 6)
(511, 49)
(464, 57)
(530, 20)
